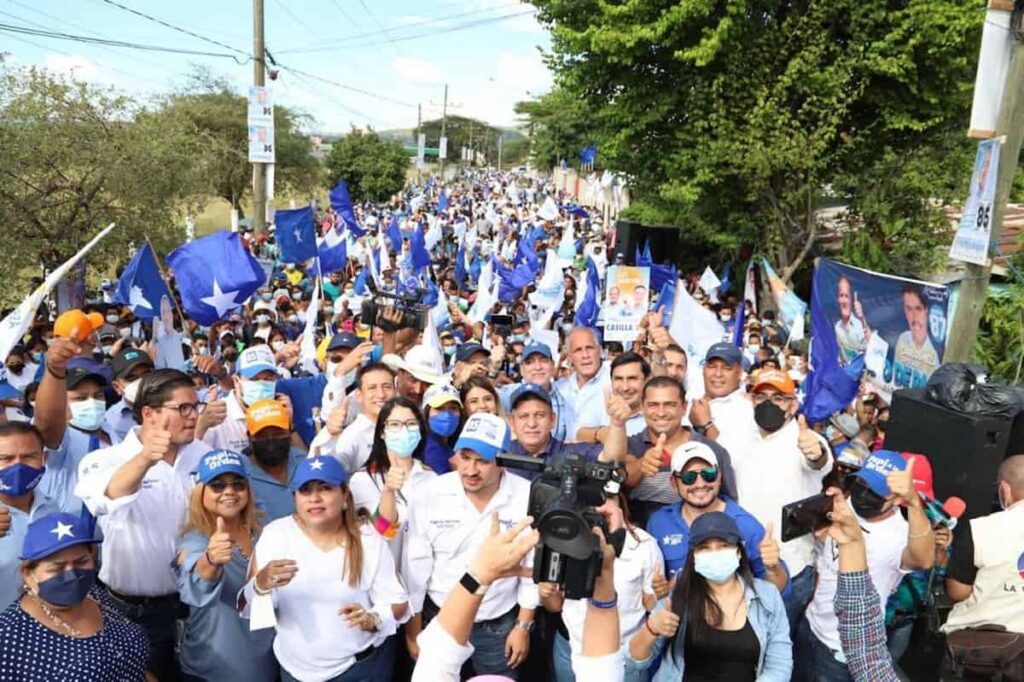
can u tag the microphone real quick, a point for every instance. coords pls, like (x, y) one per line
(945, 514)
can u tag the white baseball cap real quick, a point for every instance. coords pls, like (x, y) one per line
(485, 434)
(692, 450)
(254, 360)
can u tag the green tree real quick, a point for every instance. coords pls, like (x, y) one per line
(559, 125)
(1002, 330)
(739, 120)
(374, 169)
(76, 158)
(463, 132)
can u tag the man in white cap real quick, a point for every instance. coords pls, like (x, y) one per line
(420, 368)
(256, 380)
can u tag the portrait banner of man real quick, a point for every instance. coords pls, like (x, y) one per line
(627, 297)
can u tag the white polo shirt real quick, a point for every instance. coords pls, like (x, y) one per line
(354, 443)
(445, 531)
(579, 396)
(734, 417)
(231, 434)
(140, 530)
(366, 491)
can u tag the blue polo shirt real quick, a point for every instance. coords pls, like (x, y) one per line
(669, 529)
(555, 453)
(275, 499)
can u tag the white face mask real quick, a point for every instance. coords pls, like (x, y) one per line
(87, 415)
(131, 391)
(277, 345)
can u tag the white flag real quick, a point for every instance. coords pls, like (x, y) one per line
(548, 210)
(709, 281)
(696, 329)
(307, 349)
(14, 326)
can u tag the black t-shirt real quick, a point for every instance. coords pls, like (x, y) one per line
(961, 566)
(722, 655)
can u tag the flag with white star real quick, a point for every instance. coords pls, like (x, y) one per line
(295, 234)
(215, 275)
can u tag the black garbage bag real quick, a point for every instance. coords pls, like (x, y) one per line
(965, 388)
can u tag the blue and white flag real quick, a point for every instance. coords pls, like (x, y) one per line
(295, 234)
(696, 329)
(587, 312)
(141, 287)
(442, 202)
(215, 275)
(791, 307)
(341, 202)
(332, 254)
(395, 235)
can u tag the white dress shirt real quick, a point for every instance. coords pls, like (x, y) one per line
(579, 396)
(140, 530)
(446, 529)
(231, 434)
(353, 446)
(366, 491)
(734, 418)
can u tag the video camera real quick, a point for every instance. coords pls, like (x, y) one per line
(414, 315)
(563, 503)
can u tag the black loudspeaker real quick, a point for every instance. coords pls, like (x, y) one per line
(631, 235)
(965, 451)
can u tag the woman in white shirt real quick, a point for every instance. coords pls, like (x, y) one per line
(326, 581)
(393, 472)
(634, 576)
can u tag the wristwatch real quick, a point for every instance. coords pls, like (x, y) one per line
(472, 585)
(702, 429)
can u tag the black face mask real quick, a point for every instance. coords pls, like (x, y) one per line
(271, 452)
(865, 501)
(16, 368)
(769, 416)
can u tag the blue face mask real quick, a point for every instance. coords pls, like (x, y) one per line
(257, 390)
(265, 295)
(402, 442)
(449, 351)
(717, 565)
(37, 357)
(19, 479)
(444, 423)
(88, 415)
(68, 588)
(377, 353)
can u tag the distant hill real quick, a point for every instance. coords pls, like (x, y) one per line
(407, 136)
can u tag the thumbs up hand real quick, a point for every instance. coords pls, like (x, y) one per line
(901, 484)
(654, 458)
(218, 550)
(808, 442)
(660, 583)
(769, 548)
(617, 408)
(858, 307)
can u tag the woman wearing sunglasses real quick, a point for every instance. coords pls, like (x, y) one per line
(213, 558)
(326, 582)
(719, 622)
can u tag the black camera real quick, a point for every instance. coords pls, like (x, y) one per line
(414, 315)
(563, 503)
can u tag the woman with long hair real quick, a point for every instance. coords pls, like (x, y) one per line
(720, 623)
(213, 559)
(442, 410)
(479, 395)
(325, 580)
(394, 470)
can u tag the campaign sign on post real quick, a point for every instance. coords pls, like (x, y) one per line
(974, 232)
(626, 299)
(261, 125)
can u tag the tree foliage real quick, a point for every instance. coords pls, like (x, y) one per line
(463, 132)
(1002, 330)
(559, 124)
(374, 169)
(737, 120)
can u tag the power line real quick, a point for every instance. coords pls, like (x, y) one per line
(374, 19)
(179, 29)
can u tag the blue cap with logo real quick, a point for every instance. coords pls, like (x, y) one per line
(877, 467)
(325, 469)
(537, 349)
(52, 533)
(217, 462)
(467, 350)
(531, 391)
(254, 360)
(724, 351)
(485, 434)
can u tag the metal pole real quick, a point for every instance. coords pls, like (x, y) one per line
(419, 123)
(444, 121)
(259, 170)
(501, 137)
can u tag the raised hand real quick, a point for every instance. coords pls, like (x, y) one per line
(654, 458)
(769, 547)
(218, 549)
(808, 442)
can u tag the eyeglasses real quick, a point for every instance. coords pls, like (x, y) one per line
(395, 425)
(186, 410)
(220, 485)
(778, 399)
(710, 475)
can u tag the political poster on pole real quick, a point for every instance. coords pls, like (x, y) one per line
(421, 149)
(442, 148)
(975, 230)
(261, 125)
(626, 300)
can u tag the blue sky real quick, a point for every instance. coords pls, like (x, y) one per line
(400, 52)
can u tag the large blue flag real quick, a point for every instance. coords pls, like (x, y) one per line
(586, 314)
(588, 155)
(512, 280)
(661, 275)
(141, 287)
(418, 250)
(526, 254)
(295, 234)
(331, 254)
(394, 235)
(215, 275)
(442, 202)
(829, 387)
(460, 266)
(341, 202)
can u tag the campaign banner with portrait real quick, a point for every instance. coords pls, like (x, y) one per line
(626, 300)
(260, 121)
(975, 230)
(898, 324)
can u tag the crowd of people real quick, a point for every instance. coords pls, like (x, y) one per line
(256, 514)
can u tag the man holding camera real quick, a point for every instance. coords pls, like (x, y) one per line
(448, 520)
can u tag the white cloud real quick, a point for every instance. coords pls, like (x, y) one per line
(512, 77)
(81, 68)
(416, 70)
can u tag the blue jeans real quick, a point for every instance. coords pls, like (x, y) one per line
(797, 596)
(374, 668)
(815, 662)
(899, 640)
(488, 640)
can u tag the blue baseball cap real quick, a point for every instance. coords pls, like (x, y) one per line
(343, 340)
(326, 469)
(714, 526)
(531, 391)
(877, 467)
(535, 348)
(466, 351)
(217, 462)
(52, 533)
(485, 434)
(724, 351)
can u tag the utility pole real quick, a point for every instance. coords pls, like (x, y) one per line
(444, 121)
(259, 170)
(469, 153)
(974, 285)
(501, 137)
(419, 164)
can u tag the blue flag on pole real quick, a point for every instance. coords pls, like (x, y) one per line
(442, 202)
(588, 155)
(141, 287)
(394, 235)
(726, 279)
(295, 234)
(332, 254)
(460, 266)
(215, 275)
(741, 321)
(643, 258)
(586, 314)
(662, 274)
(341, 202)
(359, 286)
(666, 301)
(418, 250)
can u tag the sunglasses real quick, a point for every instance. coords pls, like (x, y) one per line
(220, 485)
(710, 475)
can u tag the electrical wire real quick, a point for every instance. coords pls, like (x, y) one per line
(179, 29)
(376, 21)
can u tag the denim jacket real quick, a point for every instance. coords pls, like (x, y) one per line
(767, 617)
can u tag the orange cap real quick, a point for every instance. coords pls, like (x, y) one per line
(96, 319)
(776, 379)
(264, 413)
(73, 324)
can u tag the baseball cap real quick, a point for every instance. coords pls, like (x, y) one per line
(52, 533)
(851, 454)
(724, 351)
(226, 332)
(535, 348)
(880, 464)
(343, 340)
(217, 462)
(107, 331)
(714, 526)
(692, 450)
(466, 351)
(485, 434)
(421, 361)
(440, 394)
(531, 391)
(326, 469)
(777, 380)
(264, 413)
(128, 359)
(846, 423)
(77, 375)
(254, 360)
